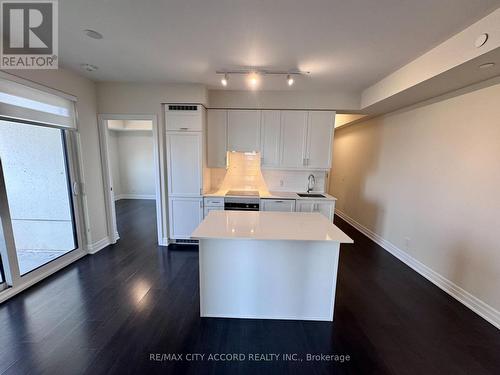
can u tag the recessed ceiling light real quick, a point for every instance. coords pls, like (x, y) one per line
(89, 67)
(92, 34)
(487, 65)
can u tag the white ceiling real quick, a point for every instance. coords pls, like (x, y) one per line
(347, 45)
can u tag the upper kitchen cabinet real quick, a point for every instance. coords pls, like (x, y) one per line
(270, 138)
(293, 139)
(243, 130)
(184, 117)
(319, 139)
(216, 138)
(286, 139)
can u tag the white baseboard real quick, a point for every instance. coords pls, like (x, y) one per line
(134, 196)
(98, 245)
(475, 304)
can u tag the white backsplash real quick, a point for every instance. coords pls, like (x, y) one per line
(277, 180)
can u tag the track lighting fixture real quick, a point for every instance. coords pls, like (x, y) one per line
(254, 75)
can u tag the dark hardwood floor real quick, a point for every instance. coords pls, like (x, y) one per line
(107, 313)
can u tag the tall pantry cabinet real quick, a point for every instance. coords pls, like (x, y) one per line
(186, 167)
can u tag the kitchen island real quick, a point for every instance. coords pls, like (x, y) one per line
(268, 265)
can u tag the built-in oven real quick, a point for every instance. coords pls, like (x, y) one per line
(242, 201)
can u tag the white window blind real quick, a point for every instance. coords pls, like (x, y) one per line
(21, 102)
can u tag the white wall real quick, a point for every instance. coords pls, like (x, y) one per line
(145, 98)
(283, 99)
(132, 164)
(85, 91)
(427, 179)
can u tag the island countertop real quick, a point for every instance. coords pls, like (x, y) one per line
(266, 225)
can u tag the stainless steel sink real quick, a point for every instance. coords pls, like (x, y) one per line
(310, 195)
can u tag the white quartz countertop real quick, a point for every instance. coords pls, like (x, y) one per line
(276, 195)
(266, 225)
(293, 195)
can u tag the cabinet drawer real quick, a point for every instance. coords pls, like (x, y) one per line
(281, 205)
(214, 202)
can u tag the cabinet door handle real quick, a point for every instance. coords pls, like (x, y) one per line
(304, 161)
(278, 201)
(184, 129)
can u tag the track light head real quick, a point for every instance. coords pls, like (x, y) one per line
(289, 80)
(253, 79)
(224, 80)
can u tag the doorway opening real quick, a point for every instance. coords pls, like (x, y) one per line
(131, 169)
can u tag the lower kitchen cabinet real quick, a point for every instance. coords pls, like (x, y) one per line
(212, 204)
(185, 214)
(206, 210)
(326, 208)
(282, 205)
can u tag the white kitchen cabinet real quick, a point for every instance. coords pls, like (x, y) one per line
(185, 214)
(286, 139)
(319, 139)
(206, 210)
(212, 204)
(270, 138)
(325, 207)
(281, 205)
(243, 130)
(216, 138)
(293, 138)
(184, 163)
(184, 117)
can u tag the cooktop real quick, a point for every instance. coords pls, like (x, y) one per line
(244, 193)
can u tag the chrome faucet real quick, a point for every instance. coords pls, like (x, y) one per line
(311, 181)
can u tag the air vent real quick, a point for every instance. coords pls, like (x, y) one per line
(178, 107)
(186, 242)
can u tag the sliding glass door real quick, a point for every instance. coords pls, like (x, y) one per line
(41, 225)
(34, 160)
